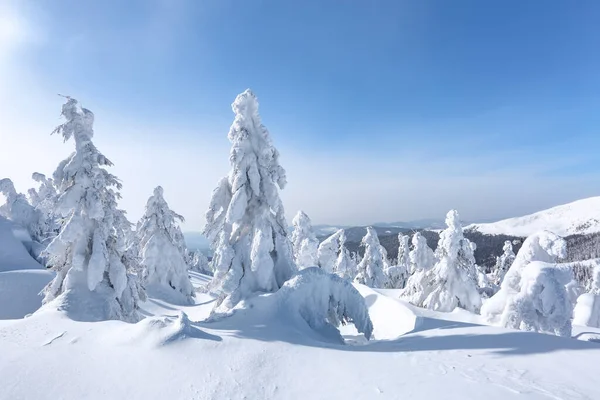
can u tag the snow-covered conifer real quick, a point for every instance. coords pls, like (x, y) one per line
(44, 200)
(162, 260)
(542, 304)
(19, 210)
(198, 262)
(304, 241)
(587, 309)
(374, 263)
(91, 280)
(328, 251)
(421, 259)
(246, 220)
(345, 265)
(503, 262)
(398, 274)
(452, 282)
(542, 246)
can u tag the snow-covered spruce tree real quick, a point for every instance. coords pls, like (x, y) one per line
(328, 251)
(374, 263)
(398, 274)
(44, 200)
(421, 259)
(18, 210)
(452, 282)
(198, 262)
(542, 246)
(162, 260)
(345, 264)
(91, 281)
(245, 219)
(587, 309)
(503, 262)
(542, 304)
(304, 241)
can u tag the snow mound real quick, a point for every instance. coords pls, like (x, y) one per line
(309, 307)
(163, 330)
(13, 253)
(20, 292)
(391, 316)
(578, 217)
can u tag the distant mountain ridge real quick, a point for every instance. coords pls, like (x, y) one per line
(580, 217)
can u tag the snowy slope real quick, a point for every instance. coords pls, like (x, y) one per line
(578, 217)
(417, 354)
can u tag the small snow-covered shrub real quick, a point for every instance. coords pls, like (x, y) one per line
(542, 246)
(542, 304)
(325, 300)
(161, 251)
(587, 309)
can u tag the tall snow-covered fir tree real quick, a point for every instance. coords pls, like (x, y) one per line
(503, 262)
(452, 282)
(246, 220)
(91, 282)
(304, 241)
(374, 262)
(162, 259)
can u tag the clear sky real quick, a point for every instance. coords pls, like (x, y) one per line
(382, 110)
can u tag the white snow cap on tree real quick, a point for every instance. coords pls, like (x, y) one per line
(542, 304)
(587, 309)
(164, 266)
(542, 246)
(246, 220)
(504, 262)
(453, 280)
(374, 262)
(328, 251)
(91, 282)
(304, 241)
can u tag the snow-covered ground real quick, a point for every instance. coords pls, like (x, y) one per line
(256, 354)
(578, 217)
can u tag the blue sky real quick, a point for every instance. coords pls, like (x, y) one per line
(382, 110)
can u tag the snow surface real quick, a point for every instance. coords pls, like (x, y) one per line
(578, 217)
(13, 253)
(415, 354)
